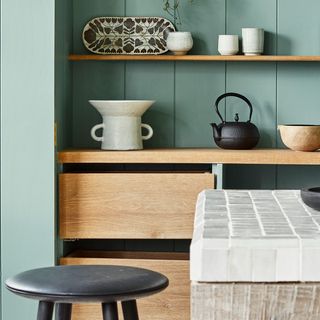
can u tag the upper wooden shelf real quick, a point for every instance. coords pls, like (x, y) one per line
(95, 57)
(192, 156)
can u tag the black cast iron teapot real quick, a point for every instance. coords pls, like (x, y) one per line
(235, 134)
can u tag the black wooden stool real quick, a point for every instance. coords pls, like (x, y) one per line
(64, 285)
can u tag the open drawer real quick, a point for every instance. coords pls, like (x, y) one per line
(129, 205)
(173, 303)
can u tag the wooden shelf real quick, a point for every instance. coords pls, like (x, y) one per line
(95, 57)
(192, 156)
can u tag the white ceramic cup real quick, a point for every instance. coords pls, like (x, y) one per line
(228, 45)
(179, 42)
(252, 41)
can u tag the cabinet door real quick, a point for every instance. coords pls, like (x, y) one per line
(173, 303)
(130, 205)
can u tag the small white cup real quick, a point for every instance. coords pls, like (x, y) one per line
(228, 45)
(252, 41)
(179, 42)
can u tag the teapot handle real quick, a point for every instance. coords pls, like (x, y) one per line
(232, 94)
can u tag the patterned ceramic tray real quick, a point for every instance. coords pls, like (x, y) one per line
(127, 35)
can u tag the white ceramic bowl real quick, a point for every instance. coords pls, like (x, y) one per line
(300, 137)
(179, 42)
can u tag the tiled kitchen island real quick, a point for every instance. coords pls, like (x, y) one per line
(255, 255)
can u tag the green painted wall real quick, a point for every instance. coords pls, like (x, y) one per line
(27, 147)
(281, 93)
(185, 91)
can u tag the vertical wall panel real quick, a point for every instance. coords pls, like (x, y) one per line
(185, 91)
(205, 19)
(152, 80)
(298, 84)
(97, 81)
(198, 84)
(257, 81)
(93, 80)
(63, 74)
(27, 145)
(253, 14)
(299, 27)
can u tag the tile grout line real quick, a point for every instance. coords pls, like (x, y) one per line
(229, 217)
(257, 215)
(285, 215)
(294, 232)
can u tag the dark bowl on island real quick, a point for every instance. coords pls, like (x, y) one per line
(311, 197)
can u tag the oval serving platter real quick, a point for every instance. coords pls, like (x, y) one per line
(127, 35)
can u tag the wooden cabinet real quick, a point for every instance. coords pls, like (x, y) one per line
(133, 205)
(172, 303)
(145, 205)
(130, 205)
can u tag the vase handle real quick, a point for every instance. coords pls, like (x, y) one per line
(93, 132)
(150, 134)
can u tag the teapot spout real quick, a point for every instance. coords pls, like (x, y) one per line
(216, 131)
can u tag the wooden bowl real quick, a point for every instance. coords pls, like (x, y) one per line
(311, 197)
(300, 137)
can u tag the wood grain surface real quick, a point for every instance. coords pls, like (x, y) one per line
(130, 205)
(274, 301)
(86, 57)
(192, 155)
(173, 303)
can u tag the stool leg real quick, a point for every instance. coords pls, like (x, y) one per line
(63, 311)
(110, 311)
(130, 310)
(45, 310)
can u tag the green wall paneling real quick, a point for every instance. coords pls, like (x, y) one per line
(298, 27)
(205, 19)
(63, 73)
(27, 145)
(84, 10)
(298, 84)
(196, 88)
(152, 80)
(198, 84)
(253, 14)
(298, 102)
(93, 80)
(298, 177)
(256, 81)
(249, 177)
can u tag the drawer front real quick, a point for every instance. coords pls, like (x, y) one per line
(130, 205)
(173, 303)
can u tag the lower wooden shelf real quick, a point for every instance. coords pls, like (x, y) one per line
(191, 156)
(173, 303)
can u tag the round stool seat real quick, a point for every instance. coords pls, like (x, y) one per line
(87, 283)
